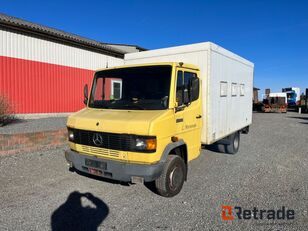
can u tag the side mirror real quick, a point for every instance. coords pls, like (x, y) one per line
(195, 89)
(85, 93)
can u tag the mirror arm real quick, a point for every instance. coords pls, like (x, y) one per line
(180, 108)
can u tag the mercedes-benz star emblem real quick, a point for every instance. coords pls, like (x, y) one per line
(97, 139)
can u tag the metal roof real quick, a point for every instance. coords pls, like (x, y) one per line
(121, 46)
(27, 27)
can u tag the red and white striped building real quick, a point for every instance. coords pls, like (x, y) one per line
(43, 70)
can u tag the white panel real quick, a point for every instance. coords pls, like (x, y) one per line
(233, 112)
(242, 89)
(25, 47)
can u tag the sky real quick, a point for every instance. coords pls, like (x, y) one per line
(271, 34)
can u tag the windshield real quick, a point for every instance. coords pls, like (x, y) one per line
(291, 96)
(134, 88)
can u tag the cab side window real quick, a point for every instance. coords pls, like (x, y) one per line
(187, 89)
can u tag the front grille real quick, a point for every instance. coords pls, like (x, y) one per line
(122, 142)
(100, 151)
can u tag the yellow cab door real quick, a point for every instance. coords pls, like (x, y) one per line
(188, 115)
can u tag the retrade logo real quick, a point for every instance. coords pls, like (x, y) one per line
(226, 213)
(97, 139)
(230, 213)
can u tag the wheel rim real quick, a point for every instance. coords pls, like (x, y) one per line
(175, 178)
(236, 143)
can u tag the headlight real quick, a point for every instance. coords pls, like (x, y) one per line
(145, 144)
(70, 133)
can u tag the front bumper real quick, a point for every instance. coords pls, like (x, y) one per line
(115, 170)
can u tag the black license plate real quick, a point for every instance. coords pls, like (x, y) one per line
(96, 164)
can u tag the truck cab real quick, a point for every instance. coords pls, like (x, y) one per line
(141, 123)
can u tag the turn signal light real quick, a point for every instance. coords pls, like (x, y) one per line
(151, 144)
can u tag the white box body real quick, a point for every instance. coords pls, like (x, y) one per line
(227, 85)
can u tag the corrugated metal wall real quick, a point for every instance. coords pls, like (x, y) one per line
(40, 76)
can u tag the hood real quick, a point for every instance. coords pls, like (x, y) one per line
(115, 121)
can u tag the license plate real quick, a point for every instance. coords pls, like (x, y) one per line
(96, 164)
(95, 171)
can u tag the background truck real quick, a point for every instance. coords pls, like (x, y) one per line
(303, 103)
(146, 120)
(293, 96)
(275, 102)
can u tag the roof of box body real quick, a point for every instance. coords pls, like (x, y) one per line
(49, 33)
(187, 48)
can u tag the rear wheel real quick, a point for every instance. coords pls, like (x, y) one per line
(172, 178)
(221, 148)
(234, 145)
(245, 130)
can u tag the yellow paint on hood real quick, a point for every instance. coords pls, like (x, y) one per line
(115, 121)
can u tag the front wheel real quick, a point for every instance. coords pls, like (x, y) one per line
(172, 178)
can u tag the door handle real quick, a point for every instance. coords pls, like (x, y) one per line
(199, 117)
(179, 120)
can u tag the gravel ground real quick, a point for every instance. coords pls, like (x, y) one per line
(270, 171)
(34, 125)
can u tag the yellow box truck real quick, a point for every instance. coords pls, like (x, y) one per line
(144, 121)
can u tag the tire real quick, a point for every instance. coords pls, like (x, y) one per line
(245, 130)
(221, 148)
(172, 178)
(234, 145)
